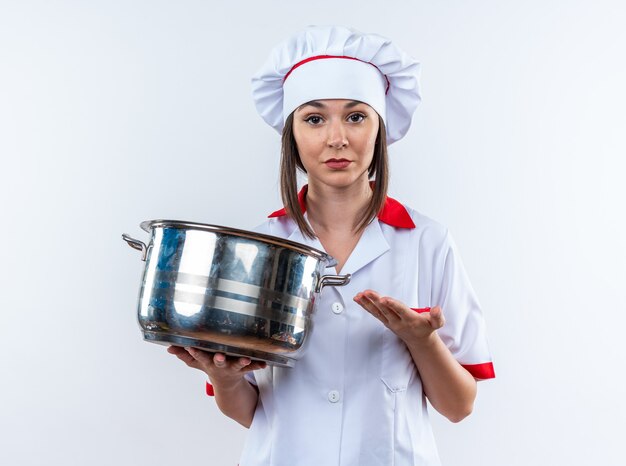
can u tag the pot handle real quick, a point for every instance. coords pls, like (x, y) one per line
(332, 280)
(136, 244)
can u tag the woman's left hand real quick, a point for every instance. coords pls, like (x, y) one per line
(399, 318)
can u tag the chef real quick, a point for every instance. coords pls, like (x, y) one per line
(408, 327)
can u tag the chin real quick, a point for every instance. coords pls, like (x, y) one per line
(341, 180)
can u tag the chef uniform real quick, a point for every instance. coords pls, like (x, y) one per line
(355, 398)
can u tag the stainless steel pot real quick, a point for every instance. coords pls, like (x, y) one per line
(233, 291)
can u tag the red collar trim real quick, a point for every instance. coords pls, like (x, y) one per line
(393, 213)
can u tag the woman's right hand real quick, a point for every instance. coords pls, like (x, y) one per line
(224, 372)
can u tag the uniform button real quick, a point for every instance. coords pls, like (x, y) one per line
(337, 308)
(333, 396)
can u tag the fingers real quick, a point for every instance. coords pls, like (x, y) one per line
(395, 307)
(183, 355)
(388, 308)
(208, 360)
(174, 349)
(199, 359)
(218, 359)
(372, 303)
(254, 365)
(437, 320)
(221, 361)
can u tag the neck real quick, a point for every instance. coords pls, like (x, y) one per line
(330, 208)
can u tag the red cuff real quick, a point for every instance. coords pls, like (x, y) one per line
(209, 389)
(481, 371)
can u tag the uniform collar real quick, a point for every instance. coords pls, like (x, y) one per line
(393, 213)
(371, 245)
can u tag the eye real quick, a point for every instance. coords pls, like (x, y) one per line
(313, 119)
(356, 117)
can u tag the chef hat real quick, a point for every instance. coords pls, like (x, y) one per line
(333, 62)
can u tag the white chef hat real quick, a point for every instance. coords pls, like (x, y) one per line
(334, 62)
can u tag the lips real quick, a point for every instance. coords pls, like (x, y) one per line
(337, 164)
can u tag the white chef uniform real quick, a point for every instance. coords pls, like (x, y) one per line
(355, 396)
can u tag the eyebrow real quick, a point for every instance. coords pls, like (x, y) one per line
(318, 104)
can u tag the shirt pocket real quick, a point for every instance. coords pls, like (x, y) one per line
(397, 366)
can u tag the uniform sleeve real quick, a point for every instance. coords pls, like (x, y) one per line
(464, 332)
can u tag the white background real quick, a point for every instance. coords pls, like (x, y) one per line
(115, 112)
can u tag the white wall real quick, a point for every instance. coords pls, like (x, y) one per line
(114, 112)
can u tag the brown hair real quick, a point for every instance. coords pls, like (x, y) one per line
(290, 162)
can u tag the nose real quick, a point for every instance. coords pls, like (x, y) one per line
(336, 136)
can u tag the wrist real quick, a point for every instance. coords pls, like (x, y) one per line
(226, 386)
(423, 342)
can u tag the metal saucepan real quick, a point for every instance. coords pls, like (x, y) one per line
(233, 291)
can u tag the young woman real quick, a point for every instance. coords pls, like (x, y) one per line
(408, 326)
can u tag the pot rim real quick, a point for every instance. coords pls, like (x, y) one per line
(149, 225)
